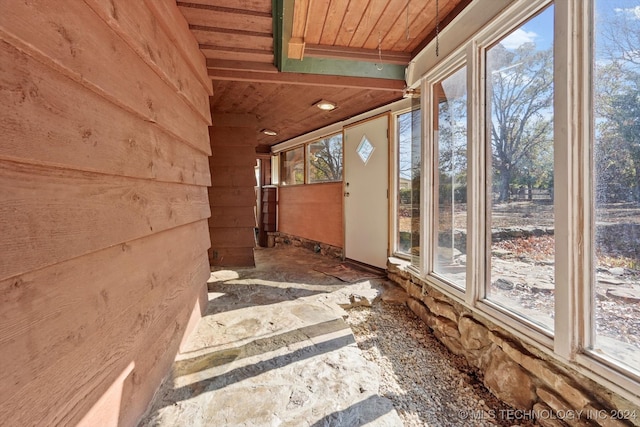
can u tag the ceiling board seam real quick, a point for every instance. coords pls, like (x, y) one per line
(324, 21)
(346, 11)
(224, 9)
(443, 23)
(413, 21)
(386, 32)
(375, 25)
(229, 31)
(398, 22)
(310, 80)
(364, 11)
(235, 49)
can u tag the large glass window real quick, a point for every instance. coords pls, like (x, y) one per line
(292, 167)
(519, 96)
(616, 163)
(450, 178)
(325, 159)
(408, 225)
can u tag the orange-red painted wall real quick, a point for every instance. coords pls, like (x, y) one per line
(312, 211)
(104, 170)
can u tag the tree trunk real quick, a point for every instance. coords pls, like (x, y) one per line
(636, 192)
(505, 180)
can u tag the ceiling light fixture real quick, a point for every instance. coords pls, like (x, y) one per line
(269, 132)
(325, 105)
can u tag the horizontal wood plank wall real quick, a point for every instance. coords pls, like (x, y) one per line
(104, 206)
(232, 194)
(312, 211)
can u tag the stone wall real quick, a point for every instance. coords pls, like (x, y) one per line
(280, 239)
(517, 373)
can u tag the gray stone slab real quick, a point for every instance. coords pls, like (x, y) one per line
(274, 352)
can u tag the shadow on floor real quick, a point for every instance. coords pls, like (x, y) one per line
(273, 350)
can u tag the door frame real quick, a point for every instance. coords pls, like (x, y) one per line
(388, 113)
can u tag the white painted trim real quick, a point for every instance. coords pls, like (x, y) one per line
(455, 35)
(452, 64)
(338, 126)
(476, 165)
(573, 166)
(567, 137)
(394, 194)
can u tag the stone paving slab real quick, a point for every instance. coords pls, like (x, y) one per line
(274, 350)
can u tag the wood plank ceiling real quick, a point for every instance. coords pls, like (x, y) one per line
(325, 49)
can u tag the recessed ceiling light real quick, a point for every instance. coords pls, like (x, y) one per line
(269, 132)
(326, 105)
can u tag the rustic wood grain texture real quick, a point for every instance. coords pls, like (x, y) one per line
(233, 216)
(234, 155)
(76, 42)
(243, 126)
(257, 6)
(135, 23)
(226, 176)
(271, 102)
(103, 206)
(231, 39)
(49, 215)
(353, 16)
(158, 356)
(156, 319)
(226, 18)
(399, 37)
(177, 27)
(92, 322)
(391, 15)
(312, 211)
(232, 237)
(318, 13)
(335, 13)
(237, 54)
(222, 197)
(231, 256)
(232, 195)
(42, 122)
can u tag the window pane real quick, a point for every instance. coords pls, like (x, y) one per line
(519, 78)
(616, 129)
(405, 185)
(325, 159)
(416, 176)
(450, 144)
(293, 166)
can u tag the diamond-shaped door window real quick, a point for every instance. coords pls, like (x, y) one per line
(365, 149)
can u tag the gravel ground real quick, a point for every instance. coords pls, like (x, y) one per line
(428, 385)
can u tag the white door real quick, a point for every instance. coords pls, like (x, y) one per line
(366, 206)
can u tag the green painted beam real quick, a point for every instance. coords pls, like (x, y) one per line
(282, 27)
(342, 67)
(278, 26)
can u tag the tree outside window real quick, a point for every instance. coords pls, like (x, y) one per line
(325, 159)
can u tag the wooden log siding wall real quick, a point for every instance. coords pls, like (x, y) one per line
(104, 171)
(312, 211)
(232, 194)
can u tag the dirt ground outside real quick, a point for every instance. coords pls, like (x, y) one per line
(522, 266)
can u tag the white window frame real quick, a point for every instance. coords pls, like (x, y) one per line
(574, 233)
(394, 193)
(511, 20)
(449, 66)
(307, 160)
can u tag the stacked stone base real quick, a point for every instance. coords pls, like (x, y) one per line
(517, 373)
(281, 239)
